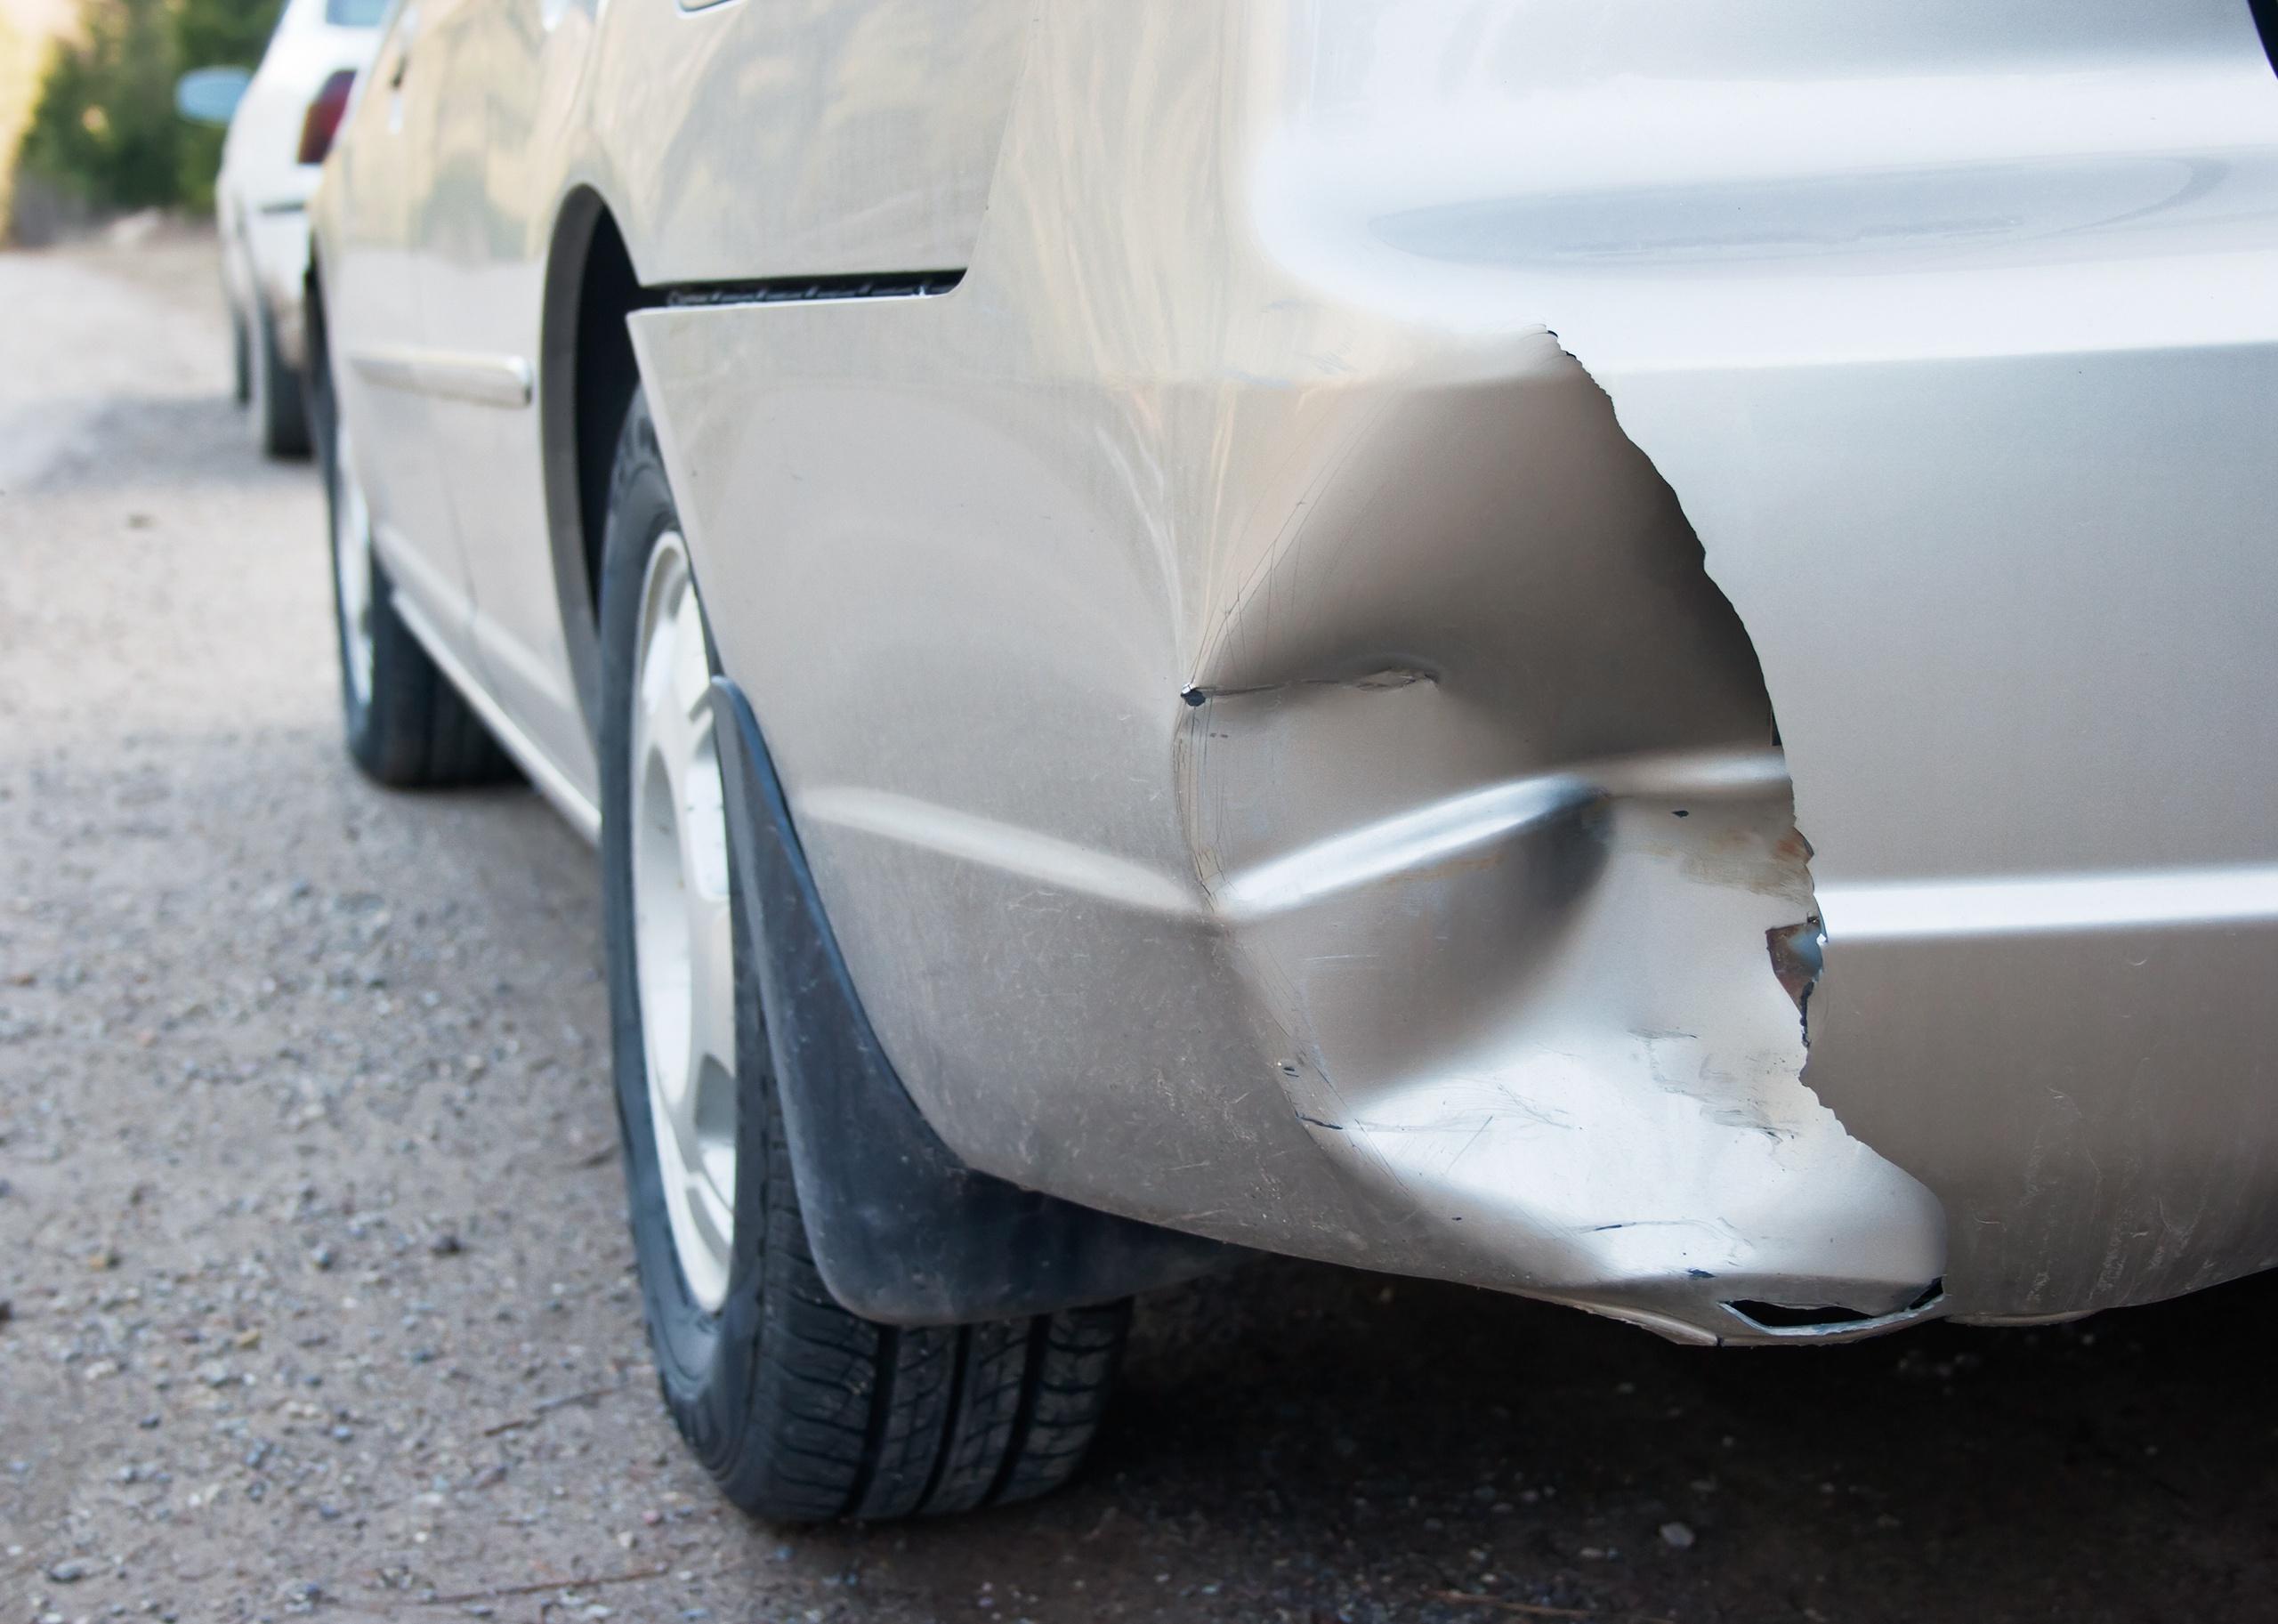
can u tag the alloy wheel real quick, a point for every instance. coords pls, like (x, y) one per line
(683, 931)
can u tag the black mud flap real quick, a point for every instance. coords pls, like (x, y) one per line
(902, 1230)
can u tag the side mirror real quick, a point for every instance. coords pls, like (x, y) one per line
(210, 95)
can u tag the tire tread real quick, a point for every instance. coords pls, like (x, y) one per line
(813, 1414)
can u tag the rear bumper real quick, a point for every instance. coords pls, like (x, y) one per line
(2092, 1102)
(1282, 766)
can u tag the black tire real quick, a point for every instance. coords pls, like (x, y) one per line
(240, 357)
(413, 728)
(802, 1412)
(279, 413)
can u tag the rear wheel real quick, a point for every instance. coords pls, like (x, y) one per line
(800, 1409)
(406, 724)
(281, 421)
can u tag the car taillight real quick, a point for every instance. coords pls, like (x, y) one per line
(323, 118)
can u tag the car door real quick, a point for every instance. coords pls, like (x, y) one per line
(481, 268)
(382, 350)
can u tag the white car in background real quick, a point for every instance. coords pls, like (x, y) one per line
(281, 121)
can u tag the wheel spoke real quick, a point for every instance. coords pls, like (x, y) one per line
(712, 987)
(713, 1215)
(691, 660)
(663, 721)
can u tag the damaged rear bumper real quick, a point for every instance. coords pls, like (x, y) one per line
(1293, 753)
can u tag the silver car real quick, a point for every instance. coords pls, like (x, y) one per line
(1346, 627)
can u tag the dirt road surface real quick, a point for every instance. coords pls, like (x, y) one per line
(317, 1286)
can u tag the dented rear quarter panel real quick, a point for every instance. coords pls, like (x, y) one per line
(1288, 676)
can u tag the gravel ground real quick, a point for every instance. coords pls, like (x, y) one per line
(317, 1295)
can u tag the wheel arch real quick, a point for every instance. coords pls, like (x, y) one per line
(316, 358)
(587, 374)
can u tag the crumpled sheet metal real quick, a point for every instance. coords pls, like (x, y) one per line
(1952, 332)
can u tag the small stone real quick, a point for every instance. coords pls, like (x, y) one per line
(1677, 1536)
(446, 1245)
(320, 1257)
(70, 1571)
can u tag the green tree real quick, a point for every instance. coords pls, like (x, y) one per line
(104, 129)
(217, 33)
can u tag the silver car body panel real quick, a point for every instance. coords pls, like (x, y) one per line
(1277, 757)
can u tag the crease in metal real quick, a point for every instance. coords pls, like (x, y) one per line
(1407, 843)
